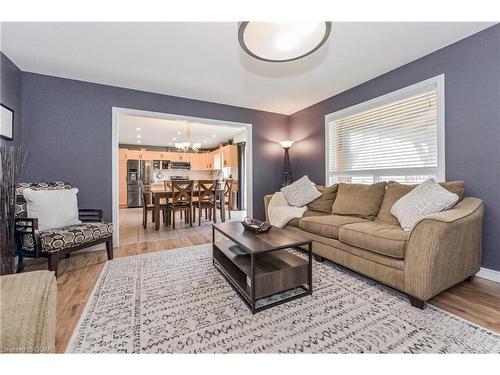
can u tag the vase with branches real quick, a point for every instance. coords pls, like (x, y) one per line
(12, 162)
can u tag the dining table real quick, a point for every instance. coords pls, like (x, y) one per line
(159, 195)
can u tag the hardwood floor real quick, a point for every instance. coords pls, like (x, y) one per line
(477, 301)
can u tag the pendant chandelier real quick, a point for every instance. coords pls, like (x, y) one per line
(188, 145)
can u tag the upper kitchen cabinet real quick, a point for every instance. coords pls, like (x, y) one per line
(178, 156)
(216, 159)
(230, 156)
(138, 155)
(159, 155)
(199, 161)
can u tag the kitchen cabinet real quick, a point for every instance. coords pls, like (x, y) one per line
(230, 156)
(122, 154)
(178, 156)
(138, 155)
(122, 182)
(159, 155)
(217, 159)
(199, 161)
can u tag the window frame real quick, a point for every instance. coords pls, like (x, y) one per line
(419, 87)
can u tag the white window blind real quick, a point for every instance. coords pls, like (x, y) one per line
(395, 139)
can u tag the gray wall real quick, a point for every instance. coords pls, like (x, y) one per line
(10, 94)
(472, 115)
(67, 128)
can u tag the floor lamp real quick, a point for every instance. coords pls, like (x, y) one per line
(287, 169)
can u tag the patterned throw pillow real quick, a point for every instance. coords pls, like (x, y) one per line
(427, 198)
(301, 192)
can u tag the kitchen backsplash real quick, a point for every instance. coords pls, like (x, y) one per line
(165, 174)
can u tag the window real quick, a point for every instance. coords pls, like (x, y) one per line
(399, 136)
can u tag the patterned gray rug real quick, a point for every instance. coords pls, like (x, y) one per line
(176, 302)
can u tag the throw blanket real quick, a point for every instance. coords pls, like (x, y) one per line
(280, 212)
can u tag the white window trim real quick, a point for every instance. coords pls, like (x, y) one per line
(437, 81)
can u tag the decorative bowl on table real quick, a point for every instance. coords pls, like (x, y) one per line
(256, 226)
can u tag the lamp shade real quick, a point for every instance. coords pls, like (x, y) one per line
(286, 144)
(282, 41)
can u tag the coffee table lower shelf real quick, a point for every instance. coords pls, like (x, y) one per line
(257, 276)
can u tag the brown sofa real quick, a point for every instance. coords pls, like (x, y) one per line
(351, 225)
(28, 312)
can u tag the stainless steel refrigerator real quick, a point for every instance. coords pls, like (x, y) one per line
(139, 172)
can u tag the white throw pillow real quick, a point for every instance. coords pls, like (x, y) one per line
(427, 198)
(301, 192)
(52, 208)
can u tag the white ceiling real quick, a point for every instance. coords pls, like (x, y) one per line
(161, 132)
(203, 60)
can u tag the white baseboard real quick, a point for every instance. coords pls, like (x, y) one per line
(489, 274)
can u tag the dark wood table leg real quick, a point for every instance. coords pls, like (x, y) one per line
(310, 267)
(222, 206)
(157, 213)
(252, 278)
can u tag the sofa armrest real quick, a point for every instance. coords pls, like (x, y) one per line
(444, 249)
(28, 312)
(267, 199)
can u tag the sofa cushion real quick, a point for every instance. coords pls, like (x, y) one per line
(308, 213)
(325, 202)
(359, 200)
(327, 226)
(385, 239)
(300, 192)
(74, 235)
(395, 191)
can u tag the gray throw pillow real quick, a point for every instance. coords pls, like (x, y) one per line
(427, 198)
(301, 192)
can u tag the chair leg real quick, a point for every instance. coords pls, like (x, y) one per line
(144, 217)
(109, 248)
(173, 219)
(190, 218)
(53, 262)
(199, 215)
(213, 213)
(229, 210)
(20, 264)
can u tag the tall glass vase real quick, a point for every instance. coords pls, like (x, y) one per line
(12, 161)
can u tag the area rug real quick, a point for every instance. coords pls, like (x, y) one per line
(175, 301)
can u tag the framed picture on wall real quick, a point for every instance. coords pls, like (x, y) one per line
(6, 122)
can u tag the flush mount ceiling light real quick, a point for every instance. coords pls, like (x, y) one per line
(282, 41)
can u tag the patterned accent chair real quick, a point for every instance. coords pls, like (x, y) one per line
(57, 242)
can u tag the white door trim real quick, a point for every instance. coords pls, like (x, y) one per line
(169, 116)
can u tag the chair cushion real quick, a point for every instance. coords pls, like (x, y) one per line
(359, 200)
(327, 226)
(295, 222)
(325, 202)
(380, 238)
(73, 235)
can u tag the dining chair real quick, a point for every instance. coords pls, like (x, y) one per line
(228, 196)
(182, 200)
(206, 199)
(148, 205)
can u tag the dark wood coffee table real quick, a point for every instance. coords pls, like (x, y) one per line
(261, 265)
